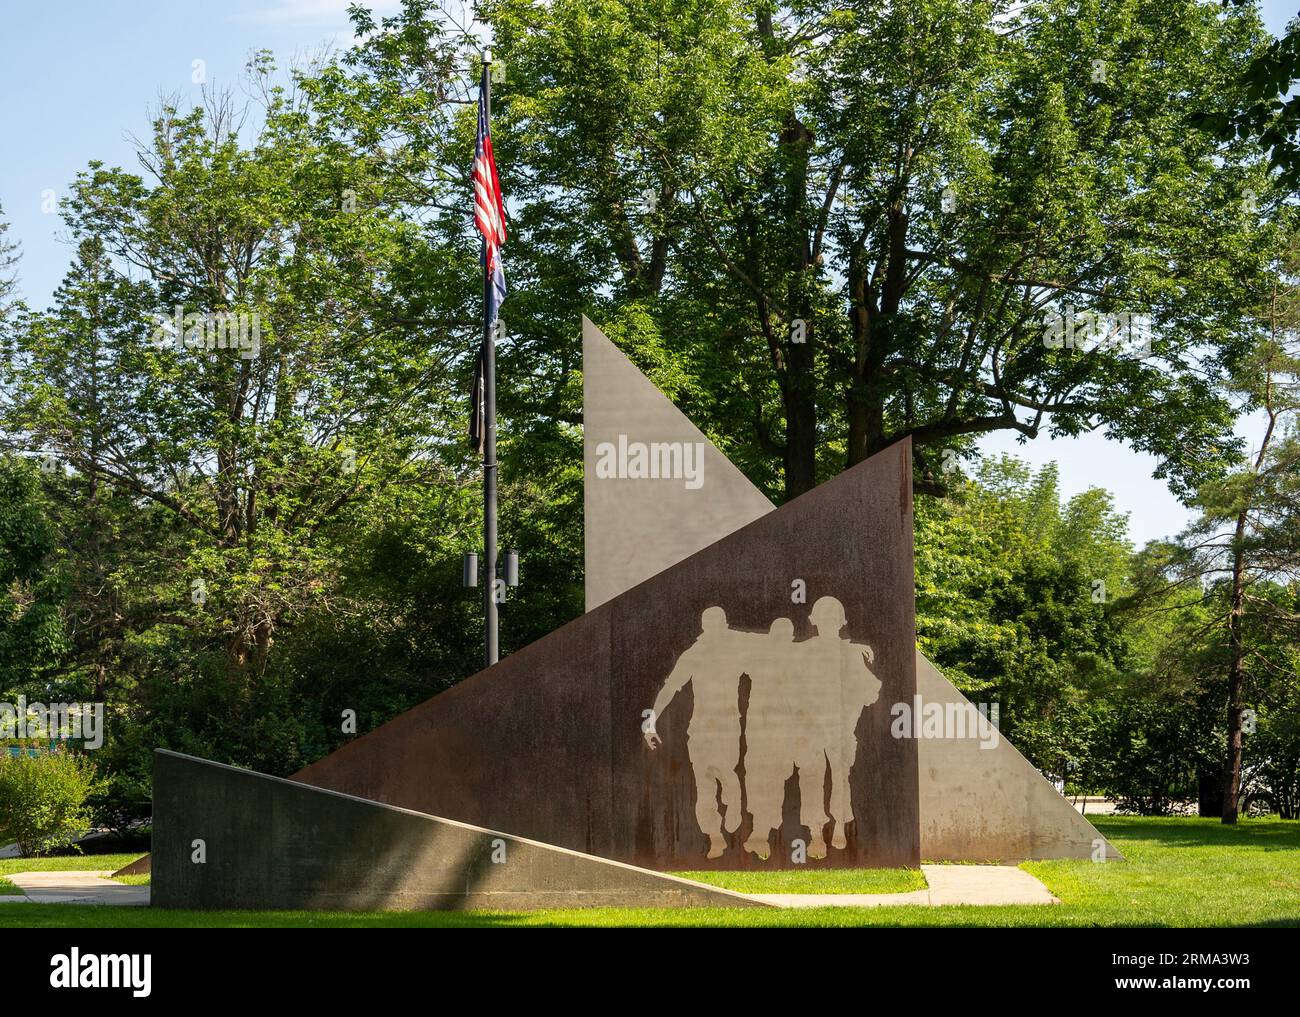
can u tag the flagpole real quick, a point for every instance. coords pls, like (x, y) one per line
(489, 433)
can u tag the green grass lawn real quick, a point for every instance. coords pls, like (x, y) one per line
(1177, 872)
(67, 863)
(814, 880)
(6, 886)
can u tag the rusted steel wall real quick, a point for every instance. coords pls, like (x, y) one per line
(549, 744)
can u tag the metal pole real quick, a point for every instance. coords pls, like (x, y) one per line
(489, 435)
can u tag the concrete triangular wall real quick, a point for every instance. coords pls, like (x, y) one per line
(634, 529)
(978, 803)
(982, 801)
(273, 843)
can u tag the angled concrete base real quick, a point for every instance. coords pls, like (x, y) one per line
(270, 843)
(139, 867)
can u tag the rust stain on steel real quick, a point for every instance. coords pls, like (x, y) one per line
(548, 744)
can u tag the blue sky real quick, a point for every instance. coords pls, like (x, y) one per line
(79, 76)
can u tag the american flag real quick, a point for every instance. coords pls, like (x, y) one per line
(489, 209)
(490, 219)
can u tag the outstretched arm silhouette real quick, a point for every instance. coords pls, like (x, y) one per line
(673, 684)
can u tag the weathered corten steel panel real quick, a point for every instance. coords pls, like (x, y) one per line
(849, 539)
(551, 743)
(521, 747)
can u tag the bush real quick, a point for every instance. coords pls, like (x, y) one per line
(43, 799)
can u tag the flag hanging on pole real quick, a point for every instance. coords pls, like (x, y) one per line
(489, 208)
(490, 220)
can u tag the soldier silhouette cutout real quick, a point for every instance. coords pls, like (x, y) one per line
(805, 701)
(712, 665)
(772, 726)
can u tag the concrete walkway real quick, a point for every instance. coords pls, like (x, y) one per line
(948, 884)
(74, 888)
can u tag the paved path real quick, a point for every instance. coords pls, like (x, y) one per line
(948, 884)
(74, 888)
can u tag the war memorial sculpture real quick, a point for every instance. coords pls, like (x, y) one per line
(743, 691)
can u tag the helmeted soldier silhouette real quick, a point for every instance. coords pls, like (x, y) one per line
(712, 666)
(772, 723)
(840, 685)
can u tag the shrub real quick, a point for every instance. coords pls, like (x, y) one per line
(43, 799)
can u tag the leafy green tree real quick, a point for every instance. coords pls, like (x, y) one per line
(251, 544)
(1273, 751)
(1244, 547)
(67, 389)
(918, 184)
(8, 264)
(260, 450)
(1159, 739)
(1146, 752)
(1015, 602)
(1269, 110)
(34, 641)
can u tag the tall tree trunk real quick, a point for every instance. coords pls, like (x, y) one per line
(800, 389)
(799, 378)
(872, 318)
(1236, 641)
(1236, 670)
(865, 416)
(866, 413)
(800, 421)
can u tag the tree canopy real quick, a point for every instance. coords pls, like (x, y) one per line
(235, 486)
